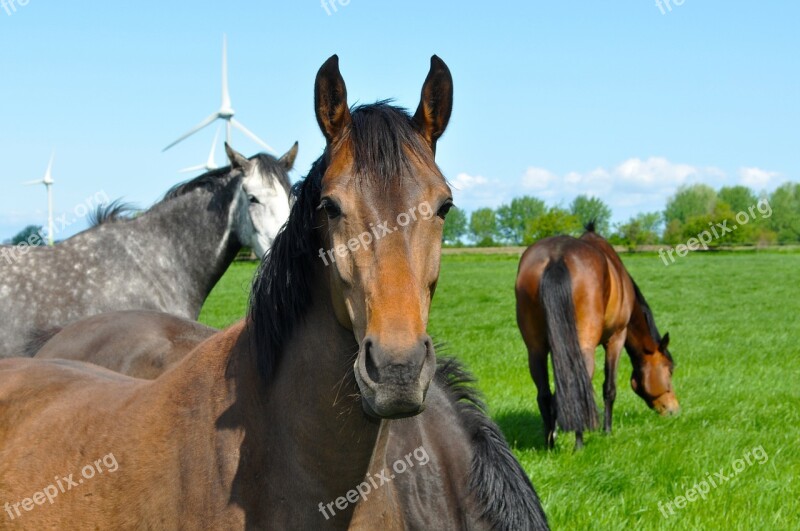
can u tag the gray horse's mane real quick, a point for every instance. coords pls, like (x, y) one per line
(212, 181)
(112, 212)
(215, 179)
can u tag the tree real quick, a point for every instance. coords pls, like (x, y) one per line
(512, 218)
(455, 226)
(483, 227)
(592, 209)
(739, 198)
(554, 222)
(641, 229)
(32, 235)
(689, 202)
(784, 212)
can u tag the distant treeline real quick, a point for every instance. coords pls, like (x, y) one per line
(736, 215)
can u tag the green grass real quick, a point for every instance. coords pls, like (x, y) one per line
(733, 320)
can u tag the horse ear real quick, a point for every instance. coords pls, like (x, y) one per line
(287, 160)
(330, 100)
(238, 161)
(436, 103)
(664, 343)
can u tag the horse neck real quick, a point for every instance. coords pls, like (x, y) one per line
(195, 231)
(309, 418)
(639, 338)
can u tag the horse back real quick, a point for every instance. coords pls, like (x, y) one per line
(621, 293)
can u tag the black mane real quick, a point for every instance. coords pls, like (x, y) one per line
(380, 134)
(506, 498)
(648, 316)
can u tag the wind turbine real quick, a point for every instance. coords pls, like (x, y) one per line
(225, 112)
(210, 163)
(48, 183)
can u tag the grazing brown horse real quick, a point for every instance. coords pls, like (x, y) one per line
(266, 422)
(138, 343)
(572, 295)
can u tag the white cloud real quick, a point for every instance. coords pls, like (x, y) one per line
(757, 178)
(537, 179)
(465, 181)
(475, 191)
(653, 172)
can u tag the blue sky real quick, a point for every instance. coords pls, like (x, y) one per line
(552, 99)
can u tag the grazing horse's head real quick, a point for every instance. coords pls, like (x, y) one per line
(263, 199)
(652, 378)
(382, 203)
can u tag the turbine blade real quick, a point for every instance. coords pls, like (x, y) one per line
(31, 183)
(193, 169)
(212, 154)
(205, 123)
(48, 176)
(226, 97)
(238, 125)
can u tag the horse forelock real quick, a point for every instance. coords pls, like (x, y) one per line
(272, 168)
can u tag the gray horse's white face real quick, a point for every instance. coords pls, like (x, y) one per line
(263, 202)
(267, 209)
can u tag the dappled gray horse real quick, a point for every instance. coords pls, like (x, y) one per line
(167, 259)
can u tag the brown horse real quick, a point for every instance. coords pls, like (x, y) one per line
(264, 423)
(146, 344)
(138, 343)
(572, 295)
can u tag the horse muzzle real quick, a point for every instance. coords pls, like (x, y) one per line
(394, 383)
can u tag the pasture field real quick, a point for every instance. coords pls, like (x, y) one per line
(734, 322)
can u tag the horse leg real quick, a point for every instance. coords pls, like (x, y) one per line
(613, 348)
(537, 362)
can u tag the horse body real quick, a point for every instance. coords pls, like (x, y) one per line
(167, 259)
(572, 295)
(453, 432)
(138, 343)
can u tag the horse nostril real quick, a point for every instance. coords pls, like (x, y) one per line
(372, 369)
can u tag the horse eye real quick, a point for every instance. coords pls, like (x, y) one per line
(331, 208)
(445, 208)
(254, 200)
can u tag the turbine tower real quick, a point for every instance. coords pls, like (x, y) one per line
(48, 183)
(210, 163)
(225, 112)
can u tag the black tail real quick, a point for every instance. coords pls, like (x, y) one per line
(575, 406)
(37, 339)
(506, 498)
